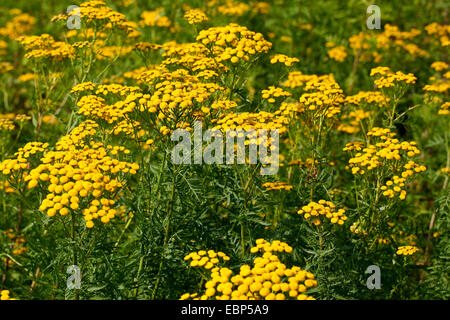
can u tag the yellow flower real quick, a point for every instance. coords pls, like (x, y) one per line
(267, 278)
(277, 186)
(407, 250)
(4, 295)
(195, 16)
(338, 53)
(321, 210)
(282, 58)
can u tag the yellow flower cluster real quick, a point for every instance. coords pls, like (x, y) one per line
(391, 31)
(231, 8)
(5, 67)
(261, 7)
(79, 173)
(27, 77)
(223, 105)
(6, 125)
(338, 53)
(94, 106)
(369, 46)
(277, 186)
(322, 208)
(96, 209)
(407, 250)
(390, 152)
(49, 119)
(397, 183)
(388, 78)
(439, 86)
(290, 110)
(111, 52)
(369, 97)
(412, 49)
(441, 31)
(251, 127)
(4, 295)
(274, 92)
(298, 79)
(252, 121)
(21, 117)
(233, 42)
(267, 279)
(20, 162)
(103, 17)
(382, 71)
(195, 16)
(373, 154)
(191, 56)
(266, 246)
(44, 46)
(445, 109)
(128, 127)
(84, 86)
(206, 259)
(282, 58)
(155, 18)
(21, 24)
(31, 42)
(323, 96)
(354, 146)
(117, 89)
(360, 42)
(177, 99)
(439, 65)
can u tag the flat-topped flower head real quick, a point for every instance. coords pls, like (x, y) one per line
(5, 295)
(338, 53)
(407, 250)
(319, 211)
(81, 176)
(277, 186)
(444, 109)
(386, 151)
(195, 16)
(233, 42)
(387, 78)
(266, 279)
(284, 59)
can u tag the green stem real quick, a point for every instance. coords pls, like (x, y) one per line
(391, 120)
(242, 240)
(123, 231)
(166, 237)
(141, 262)
(444, 186)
